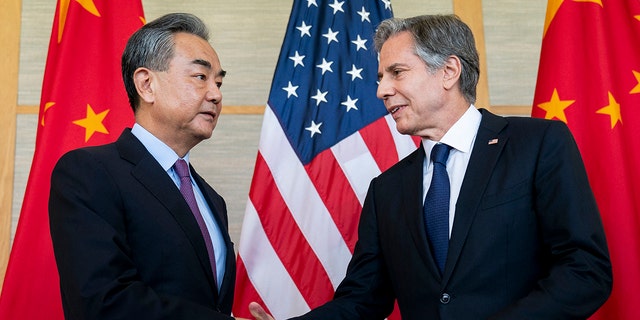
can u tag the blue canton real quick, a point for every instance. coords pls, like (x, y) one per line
(325, 82)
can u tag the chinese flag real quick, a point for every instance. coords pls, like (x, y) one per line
(589, 77)
(83, 103)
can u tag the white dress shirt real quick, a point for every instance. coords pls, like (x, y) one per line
(461, 137)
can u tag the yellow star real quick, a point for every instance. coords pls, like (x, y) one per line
(613, 110)
(64, 9)
(92, 123)
(555, 107)
(636, 89)
(594, 1)
(46, 107)
(552, 9)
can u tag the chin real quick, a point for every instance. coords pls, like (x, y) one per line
(403, 130)
(203, 134)
(207, 135)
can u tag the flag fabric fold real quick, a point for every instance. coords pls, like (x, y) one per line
(324, 136)
(83, 103)
(589, 77)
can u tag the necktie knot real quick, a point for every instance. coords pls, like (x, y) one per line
(440, 153)
(182, 168)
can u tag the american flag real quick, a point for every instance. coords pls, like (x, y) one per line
(324, 136)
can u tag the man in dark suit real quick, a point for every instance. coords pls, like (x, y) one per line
(522, 233)
(127, 243)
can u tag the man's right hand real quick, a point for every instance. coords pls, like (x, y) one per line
(258, 312)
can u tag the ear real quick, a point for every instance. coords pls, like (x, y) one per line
(452, 69)
(143, 79)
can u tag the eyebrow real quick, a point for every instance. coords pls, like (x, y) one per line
(202, 62)
(207, 65)
(393, 66)
(389, 68)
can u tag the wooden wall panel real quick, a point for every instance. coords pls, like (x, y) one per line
(470, 11)
(10, 39)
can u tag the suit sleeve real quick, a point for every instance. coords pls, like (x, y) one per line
(579, 277)
(98, 276)
(365, 292)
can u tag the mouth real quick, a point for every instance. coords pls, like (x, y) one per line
(209, 114)
(396, 109)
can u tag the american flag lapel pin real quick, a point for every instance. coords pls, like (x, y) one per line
(493, 141)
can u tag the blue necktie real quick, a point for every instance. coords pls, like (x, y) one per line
(436, 205)
(182, 169)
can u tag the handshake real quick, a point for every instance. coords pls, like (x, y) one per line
(257, 312)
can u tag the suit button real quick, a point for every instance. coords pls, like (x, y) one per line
(445, 298)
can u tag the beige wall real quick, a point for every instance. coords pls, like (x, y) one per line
(248, 35)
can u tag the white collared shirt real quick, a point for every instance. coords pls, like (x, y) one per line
(461, 137)
(166, 157)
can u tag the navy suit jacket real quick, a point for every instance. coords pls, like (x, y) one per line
(125, 241)
(527, 241)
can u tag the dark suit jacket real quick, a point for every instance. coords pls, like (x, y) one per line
(125, 241)
(527, 240)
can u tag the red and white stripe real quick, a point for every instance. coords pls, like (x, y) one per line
(300, 225)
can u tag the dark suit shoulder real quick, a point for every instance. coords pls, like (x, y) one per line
(93, 151)
(126, 147)
(411, 162)
(519, 121)
(523, 127)
(87, 157)
(104, 150)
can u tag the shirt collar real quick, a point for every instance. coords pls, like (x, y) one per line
(165, 156)
(461, 135)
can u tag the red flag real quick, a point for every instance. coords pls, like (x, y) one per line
(83, 103)
(589, 77)
(324, 137)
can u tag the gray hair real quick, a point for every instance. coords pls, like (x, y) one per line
(437, 37)
(152, 46)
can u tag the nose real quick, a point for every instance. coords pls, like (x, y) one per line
(214, 94)
(384, 89)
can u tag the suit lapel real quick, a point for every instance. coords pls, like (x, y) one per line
(488, 145)
(218, 210)
(216, 207)
(151, 175)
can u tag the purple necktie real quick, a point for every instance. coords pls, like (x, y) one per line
(182, 169)
(436, 205)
